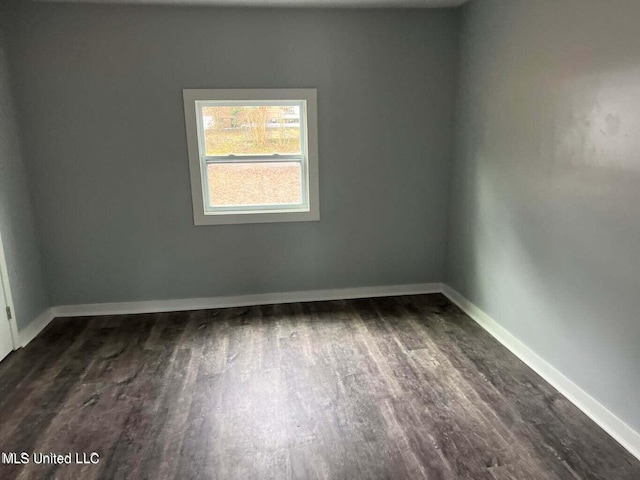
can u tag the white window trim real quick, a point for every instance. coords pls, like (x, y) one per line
(201, 215)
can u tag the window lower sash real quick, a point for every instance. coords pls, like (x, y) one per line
(252, 159)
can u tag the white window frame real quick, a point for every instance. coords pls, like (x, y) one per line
(205, 214)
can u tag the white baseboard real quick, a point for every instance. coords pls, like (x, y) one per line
(35, 327)
(155, 306)
(620, 431)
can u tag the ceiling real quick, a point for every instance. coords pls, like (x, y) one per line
(286, 3)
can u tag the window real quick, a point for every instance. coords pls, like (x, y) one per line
(253, 155)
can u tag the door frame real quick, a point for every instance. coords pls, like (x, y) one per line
(6, 287)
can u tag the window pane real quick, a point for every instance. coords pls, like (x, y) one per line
(254, 183)
(248, 130)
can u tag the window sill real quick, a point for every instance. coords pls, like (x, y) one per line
(252, 217)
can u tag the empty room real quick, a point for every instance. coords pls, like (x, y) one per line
(320, 239)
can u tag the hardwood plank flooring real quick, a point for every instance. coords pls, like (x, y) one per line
(389, 388)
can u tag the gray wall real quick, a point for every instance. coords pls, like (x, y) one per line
(545, 214)
(100, 97)
(16, 217)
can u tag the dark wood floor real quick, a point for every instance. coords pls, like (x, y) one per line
(404, 387)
